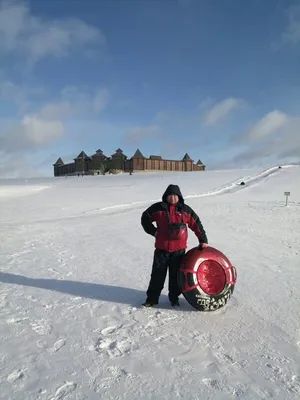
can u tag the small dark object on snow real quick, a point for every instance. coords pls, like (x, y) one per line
(279, 167)
(242, 183)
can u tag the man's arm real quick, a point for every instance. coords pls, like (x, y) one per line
(195, 225)
(147, 219)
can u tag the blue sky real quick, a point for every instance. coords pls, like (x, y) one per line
(217, 79)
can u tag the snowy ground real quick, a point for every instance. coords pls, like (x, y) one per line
(75, 264)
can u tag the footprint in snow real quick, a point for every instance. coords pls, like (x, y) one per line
(41, 328)
(17, 374)
(61, 262)
(75, 298)
(116, 373)
(13, 320)
(3, 301)
(110, 329)
(274, 368)
(280, 360)
(57, 346)
(294, 384)
(223, 386)
(111, 343)
(64, 390)
(53, 270)
(107, 346)
(112, 348)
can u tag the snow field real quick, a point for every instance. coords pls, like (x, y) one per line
(75, 264)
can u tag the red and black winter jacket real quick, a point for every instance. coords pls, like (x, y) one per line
(163, 214)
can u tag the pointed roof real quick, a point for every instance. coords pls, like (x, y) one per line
(119, 153)
(59, 162)
(138, 154)
(81, 155)
(186, 157)
(199, 162)
(99, 154)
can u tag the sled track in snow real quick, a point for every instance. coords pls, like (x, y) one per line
(229, 188)
(129, 207)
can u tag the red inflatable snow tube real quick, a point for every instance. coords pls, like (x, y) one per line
(206, 278)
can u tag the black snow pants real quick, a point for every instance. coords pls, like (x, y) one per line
(162, 261)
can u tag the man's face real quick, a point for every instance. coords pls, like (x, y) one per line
(173, 199)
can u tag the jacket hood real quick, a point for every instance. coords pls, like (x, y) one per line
(173, 189)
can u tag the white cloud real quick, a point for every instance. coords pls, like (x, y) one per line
(37, 128)
(71, 101)
(22, 139)
(36, 38)
(60, 109)
(39, 122)
(39, 131)
(276, 136)
(269, 124)
(76, 102)
(19, 95)
(29, 134)
(221, 110)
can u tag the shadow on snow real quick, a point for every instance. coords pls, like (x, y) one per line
(95, 291)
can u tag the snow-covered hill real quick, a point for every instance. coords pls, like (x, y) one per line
(75, 264)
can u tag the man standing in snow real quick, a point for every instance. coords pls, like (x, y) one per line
(172, 216)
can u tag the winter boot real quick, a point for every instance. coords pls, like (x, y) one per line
(149, 304)
(175, 303)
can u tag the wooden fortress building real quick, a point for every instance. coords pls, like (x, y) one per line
(98, 163)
